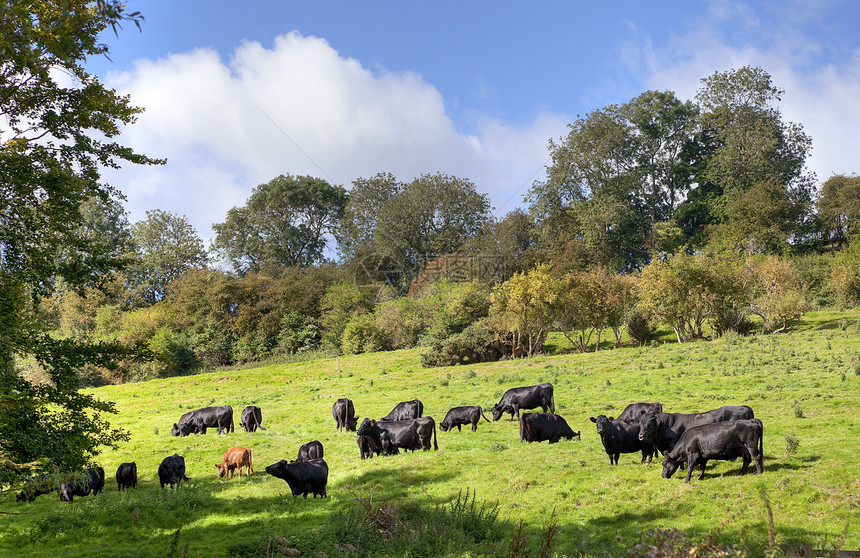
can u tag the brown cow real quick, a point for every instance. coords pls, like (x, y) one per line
(235, 457)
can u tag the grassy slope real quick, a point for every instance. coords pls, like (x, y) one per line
(813, 370)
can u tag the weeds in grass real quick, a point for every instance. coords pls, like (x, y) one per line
(791, 443)
(798, 410)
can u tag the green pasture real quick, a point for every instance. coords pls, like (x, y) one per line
(804, 385)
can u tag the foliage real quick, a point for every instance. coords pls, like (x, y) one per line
(284, 222)
(54, 140)
(844, 280)
(474, 344)
(584, 305)
(779, 298)
(166, 247)
(839, 208)
(527, 303)
(673, 291)
(363, 335)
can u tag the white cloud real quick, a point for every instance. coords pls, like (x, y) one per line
(300, 108)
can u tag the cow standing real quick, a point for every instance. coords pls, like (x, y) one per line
(528, 397)
(405, 410)
(407, 434)
(307, 477)
(721, 440)
(537, 427)
(665, 429)
(343, 412)
(172, 471)
(621, 437)
(458, 416)
(235, 458)
(731, 412)
(93, 480)
(311, 450)
(251, 418)
(367, 446)
(126, 476)
(196, 422)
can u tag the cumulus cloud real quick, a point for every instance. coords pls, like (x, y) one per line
(299, 107)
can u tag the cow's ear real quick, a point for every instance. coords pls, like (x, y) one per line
(592, 419)
(611, 419)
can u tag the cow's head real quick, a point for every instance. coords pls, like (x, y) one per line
(352, 423)
(648, 427)
(499, 411)
(366, 427)
(222, 470)
(669, 467)
(279, 469)
(174, 431)
(602, 422)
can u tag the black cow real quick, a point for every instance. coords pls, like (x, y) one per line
(303, 478)
(412, 434)
(196, 422)
(528, 397)
(93, 480)
(126, 476)
(665, 429)
(251, 418)
(537, 427)
(344, 414)
(367, 446)
(632, 412)
(172, 471)
(311, 450)
(458, 416)
(721, 440)
(34, 488)
(621, 437)
(405, 410)
(731, 412)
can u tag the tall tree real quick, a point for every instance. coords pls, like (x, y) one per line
(749, 144)
(285, 222)
(55, 139)
(839, 208)
(166, 246)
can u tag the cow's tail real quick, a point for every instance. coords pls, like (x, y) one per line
(435, 445)
(552, 401)
(760, 439)
(260, 427)
(231, 417)
(483, 415)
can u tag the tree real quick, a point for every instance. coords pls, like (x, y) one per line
(748, 145)
(584, 306)
(526, 304)
(839, 208)
(779, 298)
(55, 139)
(674, 291)
(284, 222)
(166, 247)
(392, 236)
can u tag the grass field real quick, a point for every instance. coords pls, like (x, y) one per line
(803, 385)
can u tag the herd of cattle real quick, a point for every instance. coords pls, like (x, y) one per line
(690, 439)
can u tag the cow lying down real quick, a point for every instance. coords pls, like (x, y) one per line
(537, 427)
(721, 440)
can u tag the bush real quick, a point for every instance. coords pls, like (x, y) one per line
(363, 335)
(639, 327)
(299, 333)
(474, 344)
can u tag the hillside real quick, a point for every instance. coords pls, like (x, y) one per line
(804, 385)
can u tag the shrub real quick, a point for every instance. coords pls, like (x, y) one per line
(363, 335)
(474, 344)
(299, 333)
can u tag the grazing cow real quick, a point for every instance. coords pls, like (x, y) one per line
(537, 427)
(412, 434)
(367, 446)
(406, 410)
(172, 471)
(303, 478)
(721, 440)
(344, 414)
(196, 422)
(93, 480)
(632, 412)
(126, 476)
(235, 457)
(458, 416)
(311, 450)
(731, 412)
(621, 437)
(528, 397)
(665, 429)
(251, 418)
(34, 488)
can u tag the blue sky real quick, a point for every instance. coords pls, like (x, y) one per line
(236, 94)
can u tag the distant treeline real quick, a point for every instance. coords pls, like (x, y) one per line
(695, 215)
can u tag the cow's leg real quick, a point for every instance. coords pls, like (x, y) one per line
(475, 425)
(459, 428)
(704, 462)
(690, 464)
